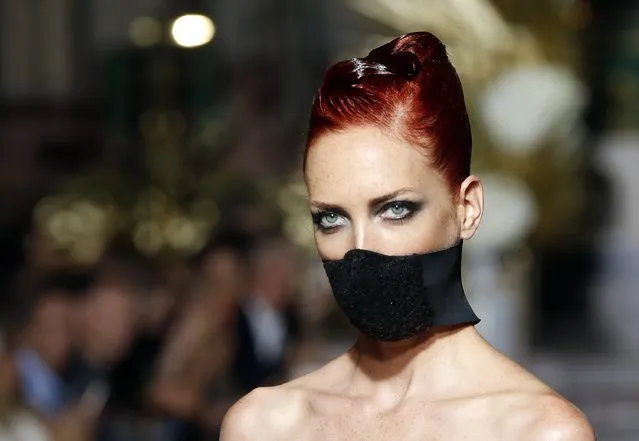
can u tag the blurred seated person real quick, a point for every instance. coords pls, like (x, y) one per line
(129, 412)
(40, 348)
(189, 385)
(268, 329)
(104, 324)
(155, 303)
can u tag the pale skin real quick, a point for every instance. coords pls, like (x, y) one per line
(448, 384)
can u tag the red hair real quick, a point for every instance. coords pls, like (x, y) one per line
(408, 87)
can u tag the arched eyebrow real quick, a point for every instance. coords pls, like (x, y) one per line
(375, 202)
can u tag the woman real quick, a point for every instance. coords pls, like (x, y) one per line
(388, 173)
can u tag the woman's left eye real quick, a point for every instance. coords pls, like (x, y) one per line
(396, 210)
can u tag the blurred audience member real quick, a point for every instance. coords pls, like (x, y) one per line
(104, 328)
(41, 344)
(196, 360)
(268, 329)
(146, 349)
(128, 414)
(43, 347)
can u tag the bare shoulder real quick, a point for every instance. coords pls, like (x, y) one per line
(278, 413)
(548, 417)
(530, 410)
(265, 413)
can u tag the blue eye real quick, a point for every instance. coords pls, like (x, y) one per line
(330, 219)
(399, 210)
(327, 220)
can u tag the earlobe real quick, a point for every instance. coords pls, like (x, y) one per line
(471, 197)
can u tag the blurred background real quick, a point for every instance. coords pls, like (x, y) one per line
(156, 252)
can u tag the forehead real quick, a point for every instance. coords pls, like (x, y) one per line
(364, 162)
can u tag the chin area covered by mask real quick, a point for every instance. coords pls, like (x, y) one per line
(392, 298)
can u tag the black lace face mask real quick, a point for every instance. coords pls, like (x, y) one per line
(392, 298)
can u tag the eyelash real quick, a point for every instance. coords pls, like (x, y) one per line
(412, 207)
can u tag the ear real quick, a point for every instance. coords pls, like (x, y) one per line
(470, 206)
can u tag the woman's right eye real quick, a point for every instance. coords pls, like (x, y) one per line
(327, 220)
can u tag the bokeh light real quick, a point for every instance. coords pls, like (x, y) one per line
(145, 31)
(192, 30)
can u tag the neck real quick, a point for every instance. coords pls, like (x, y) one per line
(388, 372)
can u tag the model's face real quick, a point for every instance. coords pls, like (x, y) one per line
(375, 192)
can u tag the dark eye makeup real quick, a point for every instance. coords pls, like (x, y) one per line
(397, 212)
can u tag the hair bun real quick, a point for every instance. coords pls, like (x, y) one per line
(404, 63)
